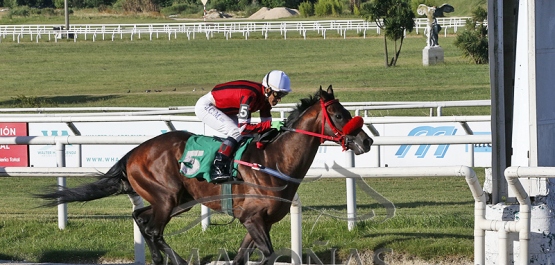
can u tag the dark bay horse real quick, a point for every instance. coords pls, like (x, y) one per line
(151, 170)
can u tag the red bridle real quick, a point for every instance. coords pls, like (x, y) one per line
(338, 136)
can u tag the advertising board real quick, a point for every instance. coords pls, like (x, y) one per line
(13, 155)
(392, 155)
(418, 155)
(96, 155)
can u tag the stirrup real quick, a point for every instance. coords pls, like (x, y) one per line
(220, 179)
(222, 169)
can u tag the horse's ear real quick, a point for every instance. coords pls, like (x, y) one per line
(326, 95)
(330, 91)
(321, 93)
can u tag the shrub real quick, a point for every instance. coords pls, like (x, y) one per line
(76, 3)
(92, 3)
(20, 11)
(328, 8)
(473, 41)
(35, 11)
(48, 11)
(118, 5)
(10, 3)
(356, 11)
(103, 8)
(41, 3)
(273, 3)
(306, 9)
(59, 3)
(224, 5)
(251, 9)
(479, 14)
(183, 8)
(138, 6)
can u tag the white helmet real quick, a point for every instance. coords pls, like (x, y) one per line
(277, 81)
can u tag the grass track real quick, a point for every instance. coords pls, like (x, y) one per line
(102, 73)
(433, 221)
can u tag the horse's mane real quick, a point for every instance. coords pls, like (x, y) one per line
(301, 107)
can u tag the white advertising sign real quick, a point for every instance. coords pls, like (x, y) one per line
(45, 155)
(394, 156)
(435, 155)
(417, 155)
(96, 155)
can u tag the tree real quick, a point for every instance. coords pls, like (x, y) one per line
(394, 17)
(474, 40)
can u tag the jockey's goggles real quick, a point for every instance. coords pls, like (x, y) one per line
(279, 94)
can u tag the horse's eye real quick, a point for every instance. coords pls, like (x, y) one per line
(338, 116)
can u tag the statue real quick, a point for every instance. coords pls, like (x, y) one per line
(433, 28)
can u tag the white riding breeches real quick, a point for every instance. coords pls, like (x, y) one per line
(206, 111)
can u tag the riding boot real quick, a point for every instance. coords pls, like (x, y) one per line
(223, 162)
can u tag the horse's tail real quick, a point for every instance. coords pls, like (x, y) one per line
(114, 182)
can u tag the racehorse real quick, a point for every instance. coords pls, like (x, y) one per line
(152, 171)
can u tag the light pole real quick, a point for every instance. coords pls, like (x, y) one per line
(204, 7)
(67, 14)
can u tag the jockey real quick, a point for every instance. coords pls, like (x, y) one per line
(228, 107)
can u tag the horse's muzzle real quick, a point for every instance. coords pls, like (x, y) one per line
(360, 144)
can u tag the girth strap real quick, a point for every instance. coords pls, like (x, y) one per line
(227, 201)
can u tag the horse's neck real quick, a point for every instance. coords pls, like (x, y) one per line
(301, 147)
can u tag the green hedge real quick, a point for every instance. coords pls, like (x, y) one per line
(328, 8)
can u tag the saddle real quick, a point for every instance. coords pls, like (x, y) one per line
(267, 137)
(198, 157)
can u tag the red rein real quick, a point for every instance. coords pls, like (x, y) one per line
(338, 136)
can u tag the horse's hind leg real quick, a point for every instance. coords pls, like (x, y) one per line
(152, 230)
(142, 217)
(160, 217)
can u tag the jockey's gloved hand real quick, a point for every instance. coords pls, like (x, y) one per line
(277, 125)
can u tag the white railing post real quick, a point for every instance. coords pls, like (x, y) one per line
(296, 231)
(205, 212)
(139, 241)
(61, 161)
(351, 192)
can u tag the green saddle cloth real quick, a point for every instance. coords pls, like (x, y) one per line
(198, 158)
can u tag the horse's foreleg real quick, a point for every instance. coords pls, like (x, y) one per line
(142, 218)
(259, 232)
(245, 250)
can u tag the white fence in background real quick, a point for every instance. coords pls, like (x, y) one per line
(227, 29)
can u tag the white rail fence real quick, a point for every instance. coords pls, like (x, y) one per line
(161, 114)
(359, 108)
(370, 122)
(61, 172)
(208, 29)
(481, 224)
